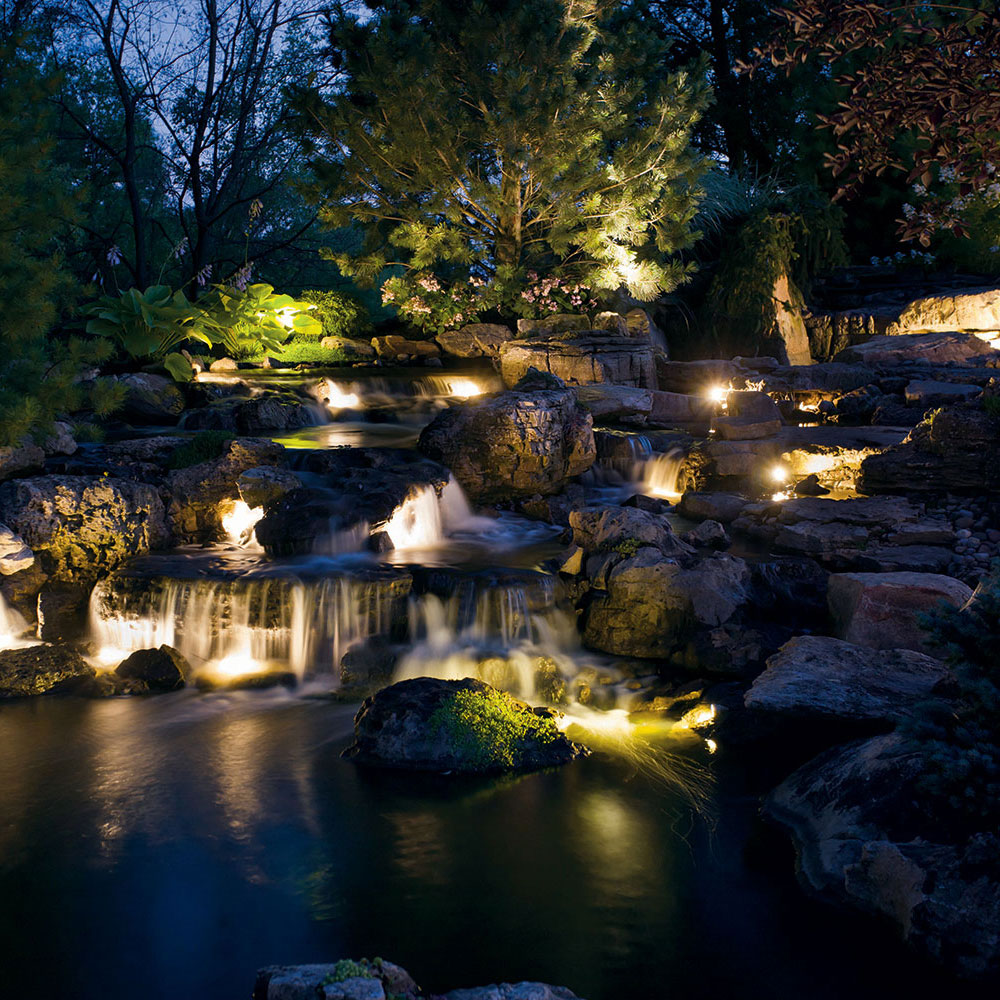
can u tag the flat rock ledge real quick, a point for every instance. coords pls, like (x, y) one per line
(376, 979)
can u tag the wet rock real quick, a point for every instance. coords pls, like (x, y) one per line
(396, 348)
(353, 350)
(416, 725)
(476, 340)
(264, 484)
(602, 529)
(884, 610)
(820, 678)
(859, 828)
(582, 360)
(163, 669)
(647, 604)
(934, 348)
(81, 527)
(518, 443)
(616, 402)
(369, 663)
(721, 507)
(62, 613)
(199, 492)
(709, 534)
(42, 670)
(14, 554)
(270, 411)
(151, 399)
(810, 487)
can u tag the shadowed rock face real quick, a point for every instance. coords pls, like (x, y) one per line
(863, 839)
(407, 725)
(520, 443)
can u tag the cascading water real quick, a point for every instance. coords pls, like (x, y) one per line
(661, 472)
(12, 627)
(247, 625)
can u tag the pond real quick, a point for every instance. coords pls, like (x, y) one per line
(168, 847)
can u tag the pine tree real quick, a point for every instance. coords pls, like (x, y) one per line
(496, 137)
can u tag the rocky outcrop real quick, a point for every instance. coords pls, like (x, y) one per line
(861, 836)
(971, 310)
(617, 403)
(269, 411)
(17, 460)
(14, 554)
(197, 493)
(82, 527)
(151, 399)
(821, 679)
(377, 979)
(929, 348)
(954, 450)
(264, 484)
(789, 339)
(884, 610)
(462, 727)
(585, 359)
(556, 323)
(352, 350)
(517, 444)
(38, 670)
(476, 340)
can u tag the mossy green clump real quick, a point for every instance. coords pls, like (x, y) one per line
(489, 730)
(347, 968)
(203, 447)
(627, 547)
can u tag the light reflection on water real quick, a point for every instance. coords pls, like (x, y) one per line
(169, 846)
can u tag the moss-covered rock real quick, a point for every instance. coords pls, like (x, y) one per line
(42, 670)
(462, 727)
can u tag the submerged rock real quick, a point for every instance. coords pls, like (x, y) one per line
(82, 527)
(464, 726)
(527, 441)
(862, 839)
(42, 670)
(163, 669)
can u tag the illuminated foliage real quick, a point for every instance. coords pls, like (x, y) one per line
(485, 139)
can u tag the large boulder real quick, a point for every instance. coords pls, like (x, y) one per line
(974, 310)
(556, 323)
(162, 669)
(264, 484)
(649, 604)
(817, 678)
(42, 670)
(618, 403)
(475, 340)
(789, 339)
(862, 839)
(955, 450)
(18, 459)
(520, 443)
(14, 554)
(151, 399)
(462, 727)
(82, 527)
(352, 350)
(602, 529)
(884, 610)
(199, 493)
(929, 348)
(582, 359)
(393, 347)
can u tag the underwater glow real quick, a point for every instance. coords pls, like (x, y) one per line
(660, 478)
(464, 388)
(718, 394)
(239, 663)
(239, 522)
(781, 495)
(339, 398)
(700, 715)
(778, 474)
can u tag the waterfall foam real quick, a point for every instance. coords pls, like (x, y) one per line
(12, 627)
(660, 473)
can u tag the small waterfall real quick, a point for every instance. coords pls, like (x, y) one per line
(418, 522)
(12, 627)
(660, 473)
(244, 625)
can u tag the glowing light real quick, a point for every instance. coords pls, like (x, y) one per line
(339, 399)
(416, 522)
(236, 664)
(613, 724)
(718, 394)
(778, 474)
(711, 746)
(239, 522)
(464, 388)
(780, 496)
(109, 657)
(700, 715)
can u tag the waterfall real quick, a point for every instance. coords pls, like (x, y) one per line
(257, 624)
(661, 472)
(12, 627)
(418, 522)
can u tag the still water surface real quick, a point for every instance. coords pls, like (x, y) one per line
(168, 847)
